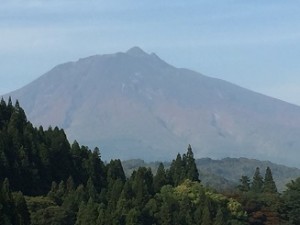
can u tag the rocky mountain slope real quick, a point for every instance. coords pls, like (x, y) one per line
(135, 105)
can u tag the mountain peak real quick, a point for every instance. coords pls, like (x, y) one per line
(135, 105)
(136, 51)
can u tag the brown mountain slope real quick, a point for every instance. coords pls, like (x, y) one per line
(133, 104)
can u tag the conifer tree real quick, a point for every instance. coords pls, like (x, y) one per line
(198, 215)
(96, 169)
(9, 103)
(191, 168)
(133, 217)
(142, 185)
(160, 178)
(292, 202)
(22, 216)
(101, 220)
(165, 214)
(91, 190)
(219, 220)
(244, 185)
(70, 186)
(269, 183)
(113, 196)
(115, 171)
(57, 192)
(257, 182)
(88, 213)
(6, 204)
(206, 219)
(183, 168)
(176, 172)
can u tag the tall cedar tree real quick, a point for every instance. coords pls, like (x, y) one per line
(257, 182)
(176, 171)
(269, 183)
(183, 168)
(191, 168)
(13, 207)
(160, 178)
(291, 197)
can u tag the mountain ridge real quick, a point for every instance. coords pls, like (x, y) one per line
(134, 104)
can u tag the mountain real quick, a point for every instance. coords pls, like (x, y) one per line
(135, 105)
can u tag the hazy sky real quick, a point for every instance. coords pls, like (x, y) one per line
(255, 44)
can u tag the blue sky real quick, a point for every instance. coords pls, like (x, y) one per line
(255, 44)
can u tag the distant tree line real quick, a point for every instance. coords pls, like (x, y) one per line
(46, 180)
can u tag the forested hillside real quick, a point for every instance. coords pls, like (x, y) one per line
(45, 180)
(224, 174)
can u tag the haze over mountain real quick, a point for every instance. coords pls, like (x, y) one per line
(135, 105)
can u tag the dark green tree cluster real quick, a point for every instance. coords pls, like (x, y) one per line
(291, 203)
(258, 184)
(133, 200)
(31, 158)
(70, 184)
(183, 167)
(260, 198)
(13, 207)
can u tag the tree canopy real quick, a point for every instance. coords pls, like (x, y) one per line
(46, 180)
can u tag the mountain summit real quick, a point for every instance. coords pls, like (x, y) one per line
(135, 105)
(136, 51)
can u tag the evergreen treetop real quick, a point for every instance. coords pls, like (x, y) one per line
(269, 183)
(257, 182)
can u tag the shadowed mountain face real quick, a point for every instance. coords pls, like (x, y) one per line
(134, 104)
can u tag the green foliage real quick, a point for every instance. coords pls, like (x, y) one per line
(13, 207)
(206, 216)
(134, 217)
(224, 174)
(69, 184)
(50, 216)
(142, 186)
(21, 209)
(32, 158)
(219, 220)
(115, 171)
(261, 201)
(269, 183)
(88, 213)
(291, 196)
(191, 172)
(257, 182)
(244, 185)
(160, 179)
(183, 168)
(7, 203)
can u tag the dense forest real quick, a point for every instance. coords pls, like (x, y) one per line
(46, 180)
